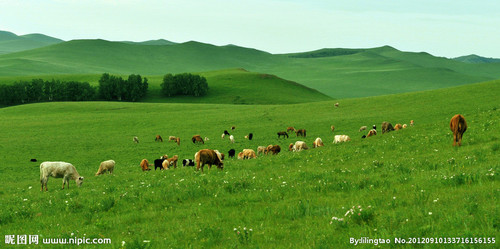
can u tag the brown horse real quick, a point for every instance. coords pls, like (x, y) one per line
(458, 126)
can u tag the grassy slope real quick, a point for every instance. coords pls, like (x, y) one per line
(10, 42)
(416, 183)
(232, 86)
(339, 73)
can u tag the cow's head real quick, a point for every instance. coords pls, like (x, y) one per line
(79, 181)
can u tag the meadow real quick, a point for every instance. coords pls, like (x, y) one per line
(405, 184)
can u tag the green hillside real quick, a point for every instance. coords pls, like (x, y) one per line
(405, 184)
(10, 42)
(232, 86)
(476, 59)
(338, 73)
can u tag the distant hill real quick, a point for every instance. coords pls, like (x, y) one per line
(10, 42)
(476, 59)
(338, 73)
(152, 42)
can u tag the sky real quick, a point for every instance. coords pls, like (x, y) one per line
(447, 28)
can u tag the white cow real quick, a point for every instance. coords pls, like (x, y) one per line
(63, 170)
(341, 138)
(108, 165)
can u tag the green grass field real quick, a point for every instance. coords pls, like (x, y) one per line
(408, 183)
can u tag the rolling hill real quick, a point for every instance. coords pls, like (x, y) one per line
(338, 73)
(10, 42)
(476, 59)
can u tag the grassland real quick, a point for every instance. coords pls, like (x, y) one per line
(338, 73)
(409, 183)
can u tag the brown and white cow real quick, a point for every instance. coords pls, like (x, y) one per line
(210, 157)
(197, 138)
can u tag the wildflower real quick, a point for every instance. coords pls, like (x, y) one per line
(394, 197)
(123, 243)
(30, 187)
(430, 213)
(25, 199)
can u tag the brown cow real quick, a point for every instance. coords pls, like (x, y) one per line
(170, 162)
(210, 157)
(398, 127)
(197, 138)
(290, 128)
(386, 127)
(458, 126)
(411, 122)
(282, 133)
(301, 132)
(145, 165)
(372, 132)
(158, 138)
(275, 149)
(333, 128)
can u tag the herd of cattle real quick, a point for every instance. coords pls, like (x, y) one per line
(210, 157)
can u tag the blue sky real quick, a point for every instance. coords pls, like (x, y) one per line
(447, 28)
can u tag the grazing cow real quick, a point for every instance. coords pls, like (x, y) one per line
(250, 136)
(318, 143)
(197, 138)
(233, 127)
(372, 132)
(411, 122)
(158, 138)
(362, 128)
(386, 127)
(275, 149)
(136, 140)
(341, 138)
(108, 165)
(159, 162)
(458, 126)
(337, 104)
(178, 141)
(226, 133)
(282, 133)
(398, 127)
(300, 132)
(374, 127)
(187, 162)
(290, 128)
(172, 138)
(223, 135)
(170, 162)
(63, 170)
(364, 136)
(210, 157)
(145, 165)
(247, 154)
(231, 153)
(206, 139)
(231, 138)
(261, 150)
(33, 160)
(405, 126)
(298, 146)
(332, 127)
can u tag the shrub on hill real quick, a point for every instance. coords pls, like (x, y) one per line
(184, 84)
(38, 90)
(115, 88)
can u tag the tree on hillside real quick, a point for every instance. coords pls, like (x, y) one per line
(184, 84)
(115, 88)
